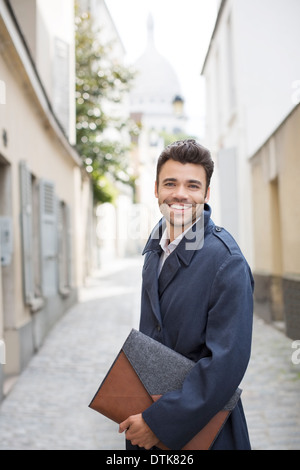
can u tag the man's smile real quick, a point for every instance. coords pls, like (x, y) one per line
(177, 207)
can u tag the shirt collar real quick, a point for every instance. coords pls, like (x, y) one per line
(155, 236)
(166, 246)
(169, 247)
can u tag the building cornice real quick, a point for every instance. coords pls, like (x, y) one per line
(218, 19)
(294, 110)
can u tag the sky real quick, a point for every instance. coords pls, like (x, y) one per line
(182, 32)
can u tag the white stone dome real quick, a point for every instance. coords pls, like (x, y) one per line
(156, 84)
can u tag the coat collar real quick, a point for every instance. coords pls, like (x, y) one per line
(190, 242)
(184, 251)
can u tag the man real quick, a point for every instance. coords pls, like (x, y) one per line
(197, 298)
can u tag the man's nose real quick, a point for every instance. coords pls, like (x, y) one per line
(180, 193)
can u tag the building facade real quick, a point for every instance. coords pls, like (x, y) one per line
(46, 207)
(275, 170)
(250, 70)
(252, 75)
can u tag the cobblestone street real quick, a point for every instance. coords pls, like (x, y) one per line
(48, 406)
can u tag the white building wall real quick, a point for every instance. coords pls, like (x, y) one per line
(250, 70)
(267, 52)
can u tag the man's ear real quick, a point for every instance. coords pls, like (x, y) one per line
(155, 189)
(207, 195)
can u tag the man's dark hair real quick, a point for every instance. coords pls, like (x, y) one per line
(187, 151)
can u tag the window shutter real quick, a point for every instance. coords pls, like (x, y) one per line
(69, 246)
(26, 232)
(64, 248)
(60, 242)
(49, 240)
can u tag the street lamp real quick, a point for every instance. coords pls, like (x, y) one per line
(178, 105)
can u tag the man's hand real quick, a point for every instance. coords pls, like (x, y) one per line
(138, 432)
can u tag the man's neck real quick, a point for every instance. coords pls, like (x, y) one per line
(174, 231)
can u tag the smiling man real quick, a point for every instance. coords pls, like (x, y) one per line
(181, 191)
(197, 298)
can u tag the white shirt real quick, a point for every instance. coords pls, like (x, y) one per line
(167, 247)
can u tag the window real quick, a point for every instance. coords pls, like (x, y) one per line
(45, 224)
(48, 237)
(64, 248)
(30, 239)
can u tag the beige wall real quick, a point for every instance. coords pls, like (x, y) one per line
(33, 135)
(31, 138)
(27, 12)
(276, 226)
(276, 201)
(289, 168)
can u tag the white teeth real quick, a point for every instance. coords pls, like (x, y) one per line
(179, 207)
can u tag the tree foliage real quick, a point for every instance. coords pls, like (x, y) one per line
(101, 84)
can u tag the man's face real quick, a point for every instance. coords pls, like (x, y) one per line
(181, 193)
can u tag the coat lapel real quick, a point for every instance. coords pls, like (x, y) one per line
(168, 272)
(181, 256)
(150, 282)
(150, 269)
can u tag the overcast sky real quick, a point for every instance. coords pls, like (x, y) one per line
(182, 31)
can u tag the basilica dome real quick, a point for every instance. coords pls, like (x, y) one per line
(156, 85)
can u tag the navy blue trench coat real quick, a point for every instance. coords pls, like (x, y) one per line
(201, 305)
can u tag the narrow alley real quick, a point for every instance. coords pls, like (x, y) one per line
(47, 408)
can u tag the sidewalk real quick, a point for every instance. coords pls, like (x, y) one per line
(271, 394)
(48, 406)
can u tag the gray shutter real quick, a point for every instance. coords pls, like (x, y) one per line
(26, 232)
(64, 248)
(69, 246)
(49, 242)
(60, 244)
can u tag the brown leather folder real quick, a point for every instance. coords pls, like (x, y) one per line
(142, 372)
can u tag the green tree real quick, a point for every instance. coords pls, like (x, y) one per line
(101, 84)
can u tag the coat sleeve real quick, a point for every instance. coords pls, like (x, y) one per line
(180, 415)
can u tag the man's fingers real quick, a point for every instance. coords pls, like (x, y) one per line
(124, 426)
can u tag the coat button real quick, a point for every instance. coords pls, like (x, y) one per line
(218, 229)
(158, 328)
